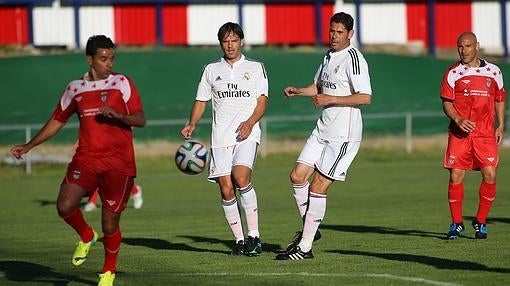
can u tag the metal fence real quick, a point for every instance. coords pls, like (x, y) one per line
(406, 118)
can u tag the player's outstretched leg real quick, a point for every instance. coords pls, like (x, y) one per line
(297, 238)
(295, 254)
(82, 250)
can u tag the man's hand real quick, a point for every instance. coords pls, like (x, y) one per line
(187, 131)
(244, 130)
(109, 112)
(290, 91)
(465, 125)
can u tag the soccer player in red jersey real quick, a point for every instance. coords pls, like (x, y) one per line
(108, 106)
(474, 99)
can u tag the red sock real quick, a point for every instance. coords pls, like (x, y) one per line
(111, 244)
(134, 190)
(78, 223)
(487, 194)
(455, 198)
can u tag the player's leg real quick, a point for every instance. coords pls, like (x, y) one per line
(68, 203)
(91, 203)
(232, 214)
(220, 169)
(299, 177)
(303, 169)
(77, 183)
(244, 159)
(457, 159)
(332, 166)
(136, 194)
(114, 190)
(487, 157)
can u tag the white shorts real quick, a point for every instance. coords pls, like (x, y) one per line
(331, 159)
(224, 158)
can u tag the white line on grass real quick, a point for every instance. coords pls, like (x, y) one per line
(387, 276)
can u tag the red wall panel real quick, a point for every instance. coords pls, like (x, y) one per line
(417, 28)
(326, 13)
(14, 26)
(175, 27)
(452, 18)
(290, 24)
(135, 24)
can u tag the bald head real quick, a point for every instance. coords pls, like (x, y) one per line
(467, 36)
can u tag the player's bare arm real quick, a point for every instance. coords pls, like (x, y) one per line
(500, 119)
(464, 124)
(350, 100)
(245, 128)
(310, 90)
(197, 111)
(49, 129)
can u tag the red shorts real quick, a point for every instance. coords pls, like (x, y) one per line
(95, 173)
(471, 153)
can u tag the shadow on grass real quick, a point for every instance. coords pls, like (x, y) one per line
(490, 220)
(439, 263)
(383, 230)
(32, 273)
(266, 247)
(160, 244)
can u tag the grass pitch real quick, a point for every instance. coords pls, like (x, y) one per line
(385, 226)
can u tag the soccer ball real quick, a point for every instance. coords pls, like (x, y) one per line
(191, 157)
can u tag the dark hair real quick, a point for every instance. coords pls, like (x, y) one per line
(343, 18)
(98, 42)
(228, 28)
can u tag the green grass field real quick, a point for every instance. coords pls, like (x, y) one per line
(384, 226)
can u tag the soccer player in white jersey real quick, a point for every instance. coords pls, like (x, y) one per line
(341, 85)
(238, 89)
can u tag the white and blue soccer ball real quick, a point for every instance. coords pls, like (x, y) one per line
(192, 157)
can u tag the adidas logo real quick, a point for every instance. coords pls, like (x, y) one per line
(218, 78)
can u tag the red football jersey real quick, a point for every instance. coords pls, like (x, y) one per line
(99, 136)
(473, 92)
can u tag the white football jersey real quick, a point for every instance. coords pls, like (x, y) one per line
(234, 92)
(342, 73)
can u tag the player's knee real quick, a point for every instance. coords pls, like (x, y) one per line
(297, 178)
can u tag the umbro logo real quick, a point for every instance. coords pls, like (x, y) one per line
(466, 81)
(111, 203)
(218, 78)
(319, 220)
(490, 159)
(234, 223)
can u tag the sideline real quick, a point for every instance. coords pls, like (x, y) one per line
(370, 275)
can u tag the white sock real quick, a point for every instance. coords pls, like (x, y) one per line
(233, 218)
(248, 198)
(301, 196)
(313, 218)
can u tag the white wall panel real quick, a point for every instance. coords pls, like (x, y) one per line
(96, 21)
(487, 26)
(53, 26)
(383, 23)
(205, 20)
(254, 24)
